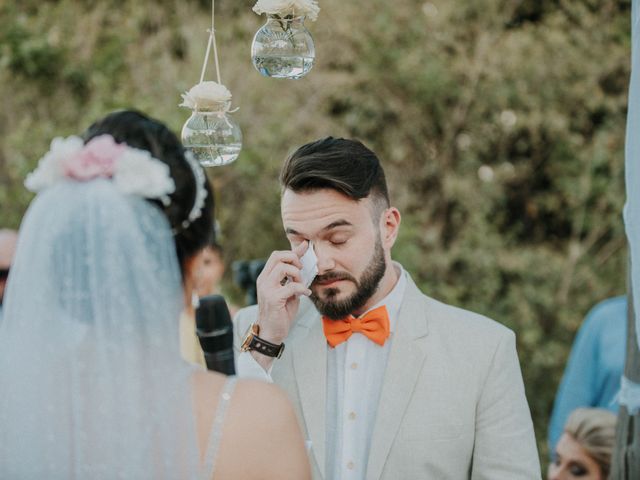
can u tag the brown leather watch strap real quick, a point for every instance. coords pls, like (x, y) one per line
(266, 348)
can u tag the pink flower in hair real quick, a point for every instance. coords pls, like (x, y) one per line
(96, 159)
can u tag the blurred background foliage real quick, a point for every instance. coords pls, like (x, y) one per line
(500, 122)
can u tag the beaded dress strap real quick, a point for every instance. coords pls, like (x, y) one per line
(216, 428)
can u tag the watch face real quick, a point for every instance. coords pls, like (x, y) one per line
(252, 342)
(247, 339)
(252, 331)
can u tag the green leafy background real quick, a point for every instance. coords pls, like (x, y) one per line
(501, 126)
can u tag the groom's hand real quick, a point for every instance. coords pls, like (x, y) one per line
(279, 289)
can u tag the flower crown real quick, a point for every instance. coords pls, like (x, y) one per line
(132, 170)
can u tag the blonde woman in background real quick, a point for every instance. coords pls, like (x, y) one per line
(585, 447)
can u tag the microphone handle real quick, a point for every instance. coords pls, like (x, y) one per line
(221, 361)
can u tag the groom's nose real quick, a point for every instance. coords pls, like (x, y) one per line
(326, 262)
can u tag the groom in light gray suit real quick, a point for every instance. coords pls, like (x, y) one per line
(387, 382)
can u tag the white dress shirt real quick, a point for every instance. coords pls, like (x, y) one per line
(355, 370)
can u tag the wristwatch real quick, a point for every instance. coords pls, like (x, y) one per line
(253, 342)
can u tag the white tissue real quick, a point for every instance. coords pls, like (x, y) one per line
(309, 266)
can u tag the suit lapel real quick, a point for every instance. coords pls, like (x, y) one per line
(405, 362)
(310, 370)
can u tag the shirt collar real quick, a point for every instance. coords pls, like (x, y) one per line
(393, 300)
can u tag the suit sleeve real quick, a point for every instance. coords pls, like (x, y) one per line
(505, 445)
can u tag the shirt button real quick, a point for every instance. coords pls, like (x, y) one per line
(350, 465)
(354, 365)
(352, 416)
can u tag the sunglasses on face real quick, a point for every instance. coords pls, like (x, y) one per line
(4, 273)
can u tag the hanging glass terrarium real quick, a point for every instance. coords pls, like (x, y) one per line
(283, 47)
(210, 132)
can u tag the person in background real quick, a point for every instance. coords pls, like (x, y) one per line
(596, 362)
(210, 269)
(8, 241)
(190, 348)
(585, 447)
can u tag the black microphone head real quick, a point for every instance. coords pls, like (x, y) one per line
(212, 313)
(215, 332)
(213, 324)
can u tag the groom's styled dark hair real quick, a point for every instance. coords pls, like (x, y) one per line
(340, 164)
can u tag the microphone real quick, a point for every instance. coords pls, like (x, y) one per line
(215, 332)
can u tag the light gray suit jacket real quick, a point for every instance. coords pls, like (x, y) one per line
(452, 405)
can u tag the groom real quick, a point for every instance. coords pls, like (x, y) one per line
(387, 382)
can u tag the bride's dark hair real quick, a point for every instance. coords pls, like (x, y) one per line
(140, 131)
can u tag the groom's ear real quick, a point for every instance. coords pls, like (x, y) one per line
(389, 226)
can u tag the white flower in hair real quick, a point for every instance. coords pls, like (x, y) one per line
(206, 95)
(137, 171)
(49, 169)
(282, 8)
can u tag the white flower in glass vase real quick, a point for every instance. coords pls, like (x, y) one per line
(210, 133)
(206, 95)
(283, 47)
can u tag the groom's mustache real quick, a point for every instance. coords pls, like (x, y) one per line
(332, 277)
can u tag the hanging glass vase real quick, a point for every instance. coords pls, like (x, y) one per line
(212, 135)
(283, 48)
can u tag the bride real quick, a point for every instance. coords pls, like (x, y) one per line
(91, 380)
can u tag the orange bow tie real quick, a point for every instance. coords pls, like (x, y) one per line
(375, 325)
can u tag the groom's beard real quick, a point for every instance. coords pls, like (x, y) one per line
(366, 286)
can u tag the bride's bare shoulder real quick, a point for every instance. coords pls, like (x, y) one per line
(208, 385)
(260, 426)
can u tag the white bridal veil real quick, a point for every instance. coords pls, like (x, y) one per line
(91, 380)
